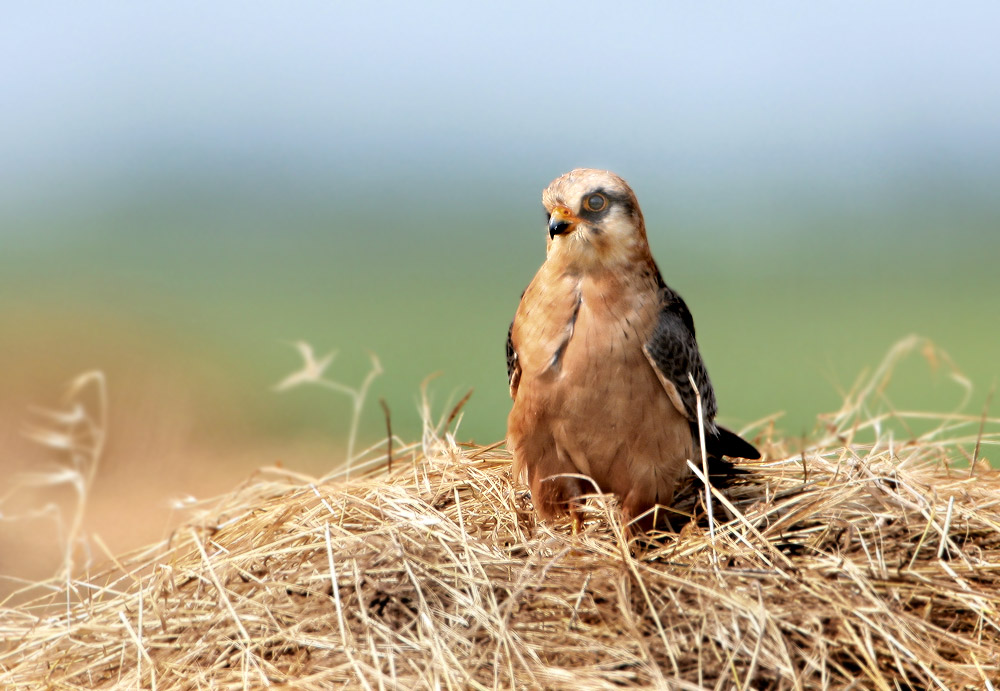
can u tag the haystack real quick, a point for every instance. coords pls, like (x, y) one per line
(860, 561)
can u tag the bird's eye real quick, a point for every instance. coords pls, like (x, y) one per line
(595, 202)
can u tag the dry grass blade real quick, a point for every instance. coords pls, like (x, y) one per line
(77, 433)
(388, 434)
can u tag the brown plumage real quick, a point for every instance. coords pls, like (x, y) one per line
(598, 358)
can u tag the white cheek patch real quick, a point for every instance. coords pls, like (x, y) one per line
(620, 227)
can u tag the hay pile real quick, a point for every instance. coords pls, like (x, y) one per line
(869, 564)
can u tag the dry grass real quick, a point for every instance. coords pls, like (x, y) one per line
(867, 563)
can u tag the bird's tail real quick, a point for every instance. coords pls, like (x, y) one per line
(724, 443)
(727, 443)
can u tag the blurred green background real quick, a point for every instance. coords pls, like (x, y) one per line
(186, 189)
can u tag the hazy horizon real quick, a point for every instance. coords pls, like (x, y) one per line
(697, 101)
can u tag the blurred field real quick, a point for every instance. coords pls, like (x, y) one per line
(190, 301)
(789, 305)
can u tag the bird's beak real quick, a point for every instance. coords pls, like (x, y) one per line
(561, 221)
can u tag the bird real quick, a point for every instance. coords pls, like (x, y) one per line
(603, 364)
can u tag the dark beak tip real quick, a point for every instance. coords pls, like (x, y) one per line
(558, 227)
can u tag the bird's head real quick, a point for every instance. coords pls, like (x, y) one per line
(593, 221)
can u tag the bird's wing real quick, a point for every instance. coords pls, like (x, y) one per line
(513, 366)
(673, 352)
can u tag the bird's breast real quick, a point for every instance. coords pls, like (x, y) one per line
(568, 324)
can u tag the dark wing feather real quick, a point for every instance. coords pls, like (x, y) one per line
(513, 366)
(673, 350)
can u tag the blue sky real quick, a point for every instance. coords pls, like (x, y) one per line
(98, 94)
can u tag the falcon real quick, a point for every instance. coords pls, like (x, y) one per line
(603, 363)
